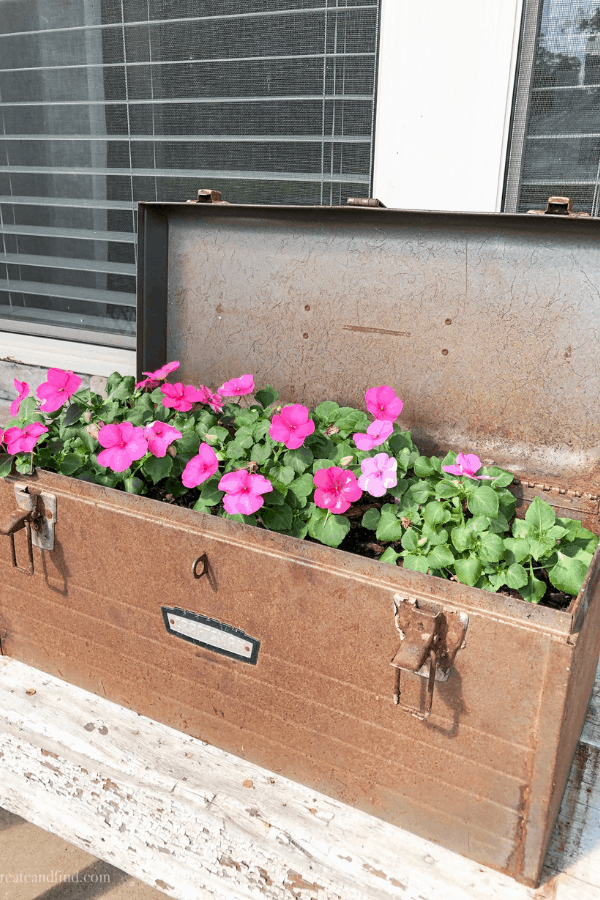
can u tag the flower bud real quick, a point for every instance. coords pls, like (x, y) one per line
(172, 451)
(346, 460)
(331, 429)
(210, 437)
(94, 429)
(88, 416)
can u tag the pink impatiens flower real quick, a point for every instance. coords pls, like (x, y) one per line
(159, 435)
(383, 403)
(23, 440)
(60, 386)
(154, 378)
(22, 389)
(200, 467)
(336, 489)
(179, 397)
(467, 464)
(238, 387)
(124, 443)
(243, 491)
(213, 400)
(378, 474)
(292, 426)
(377, 433)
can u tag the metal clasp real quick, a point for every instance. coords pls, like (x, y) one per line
(36, 513)
(430, 639)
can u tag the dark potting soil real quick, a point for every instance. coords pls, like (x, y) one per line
(363, 542)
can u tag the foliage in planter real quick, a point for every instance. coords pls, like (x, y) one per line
(297, 474)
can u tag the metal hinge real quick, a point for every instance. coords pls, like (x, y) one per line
(559, 206)
(430, 639)
(36, 514)
(208, 196)
(365, 201)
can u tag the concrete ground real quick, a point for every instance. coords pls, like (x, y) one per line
(35, 865)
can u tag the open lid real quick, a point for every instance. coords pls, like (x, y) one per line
(486, 325)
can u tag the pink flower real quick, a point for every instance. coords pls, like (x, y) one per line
(159, 435)
(378, 474)
(237, 387)
(377, 433)
(383, 403)
(60, 386)
(213, 400)
(336, 489)
(291, 426)
(243, 491)
(467, 464)
(179, 397)
(23, 440)
(154, 378)
(124, 443)
(22, 389)
(200, 467)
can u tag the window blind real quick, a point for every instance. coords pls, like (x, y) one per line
(107, 102)
(555, 144)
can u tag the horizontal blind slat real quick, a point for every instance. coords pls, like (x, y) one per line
(83, 329)
(80, 234)
(72, 265)
(189, 101)
(186, 173)
(77, 202)
(197, 138)
(116, 298)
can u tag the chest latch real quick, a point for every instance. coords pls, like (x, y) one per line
(430, 639)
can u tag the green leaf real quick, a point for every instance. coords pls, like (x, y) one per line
(389, 527)
(135, 485)
(210, 494)
(533, 591)
(299, 460)
(468, 570)
(328, 528)
(299, 529)
(400, 489)
(370, 519)
(285, 474)
(410, 540)
(416, 563)
(421, 492)
(125, 389)
(516, 576)
(389, 556)
(400, 440)
(187, 446)
(261, 429)
(435, 513)
(423, 467)
(276, 497)
(440, 557)
(302, 486)
(73, 414)
(568, 574)
(113, 382)
(199, 506)
(260, 453)
(239, 517)
(277, 518)
(158, 467)
(5, 464)
(483, 501)
(434, 536)
(326, 411)
(266, 396)
(462, 537)
(89, 442)
(233, 450)
(501, 477)
(540, 516)
(70, 464)
(447, 489)
(516, 549)
(492, 547)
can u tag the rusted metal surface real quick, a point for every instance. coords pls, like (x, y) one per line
(480, 775)
(484, 324)
(559, 206)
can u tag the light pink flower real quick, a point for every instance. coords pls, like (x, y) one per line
(200, 467)
(159, 435)
(383, 403)
(124, 443)
(467, 464)
(292, 426)
(243, 491)
(377, 433)
(179, 397)
(60, 386)
(23, 440)
(22, 389)
(378, 474)
(336, 489)
(238, 387)
(154, 378)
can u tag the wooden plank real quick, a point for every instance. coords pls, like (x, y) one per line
(195, 821)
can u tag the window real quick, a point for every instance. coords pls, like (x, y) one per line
(107, 102)
(555, 146)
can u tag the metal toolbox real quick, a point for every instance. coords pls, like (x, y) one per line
(279, 650)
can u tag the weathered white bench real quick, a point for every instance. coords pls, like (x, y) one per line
(195, 822)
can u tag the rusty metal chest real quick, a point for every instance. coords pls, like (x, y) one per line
(279, 650)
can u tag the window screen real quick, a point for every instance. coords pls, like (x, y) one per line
(555, 145)
(107, 102)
